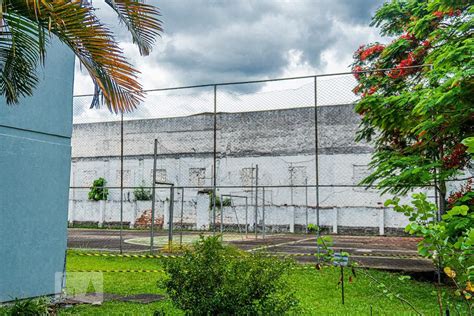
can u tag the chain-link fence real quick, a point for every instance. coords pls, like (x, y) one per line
(246, 159)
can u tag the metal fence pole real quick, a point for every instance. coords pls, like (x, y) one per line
(306, 203)
(263, 212)
(182, 214)
(291, 185)
(121, 181)
(316, 159)
(256, 201)
(213, 204)
(170, 221)
(153, 195)
(246, 217)
(222, 217)
(214, 165)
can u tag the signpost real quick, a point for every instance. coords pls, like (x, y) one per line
(341, 259)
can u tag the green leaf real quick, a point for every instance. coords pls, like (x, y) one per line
(469, 143)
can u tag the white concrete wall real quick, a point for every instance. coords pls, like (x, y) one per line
(103, 212)
(338, 171)
(278, 218)
(280, 142)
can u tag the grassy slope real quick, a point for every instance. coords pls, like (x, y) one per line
(317, 290)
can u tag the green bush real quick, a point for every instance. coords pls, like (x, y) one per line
(213, 279)
(312, 228)
(448, 242)
(98, 190)
(142, 194)
(27, 307)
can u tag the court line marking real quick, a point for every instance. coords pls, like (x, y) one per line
(278, 245)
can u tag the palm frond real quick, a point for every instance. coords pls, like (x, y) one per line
(22, 43)
(141, 20)
(74, 22)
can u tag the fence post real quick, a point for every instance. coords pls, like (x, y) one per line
(263, 212)
(246, 217)
(316, 161)
(222, 217)
(121, 181)
(256, 201)
(153, 195)
(170, 220)
(214, 165)
(306, 204)
(182, 214)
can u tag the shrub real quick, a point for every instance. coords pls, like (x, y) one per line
(312, 228)
(449, 243)
(175, 247)
(27, 307)
(213, 279)
(98, 190)
(142, 194)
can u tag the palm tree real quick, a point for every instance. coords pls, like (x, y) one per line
(26, 27)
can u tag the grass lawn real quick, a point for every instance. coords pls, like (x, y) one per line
(316, 289)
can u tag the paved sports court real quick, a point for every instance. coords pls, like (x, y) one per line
(380, 252)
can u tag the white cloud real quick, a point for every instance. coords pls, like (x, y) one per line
(221, 41)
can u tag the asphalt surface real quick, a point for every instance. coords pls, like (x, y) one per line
(379, 252)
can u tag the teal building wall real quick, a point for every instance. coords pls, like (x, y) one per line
(35, 152)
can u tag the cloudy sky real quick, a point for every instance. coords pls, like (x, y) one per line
(207, 41)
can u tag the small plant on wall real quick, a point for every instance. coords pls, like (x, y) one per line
(142, 194)
(225, 201)
(98, 190)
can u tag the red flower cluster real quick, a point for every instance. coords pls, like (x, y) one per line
(372, 90)
(360, 49)
(356, 71)
(409, 61)
(451, 12)
(401, 69)
(408, 37)
(454, 197)
(426, 43)
(457, 158)
(364, 54)
(356, 89)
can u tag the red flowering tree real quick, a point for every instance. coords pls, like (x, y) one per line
(419, 109)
